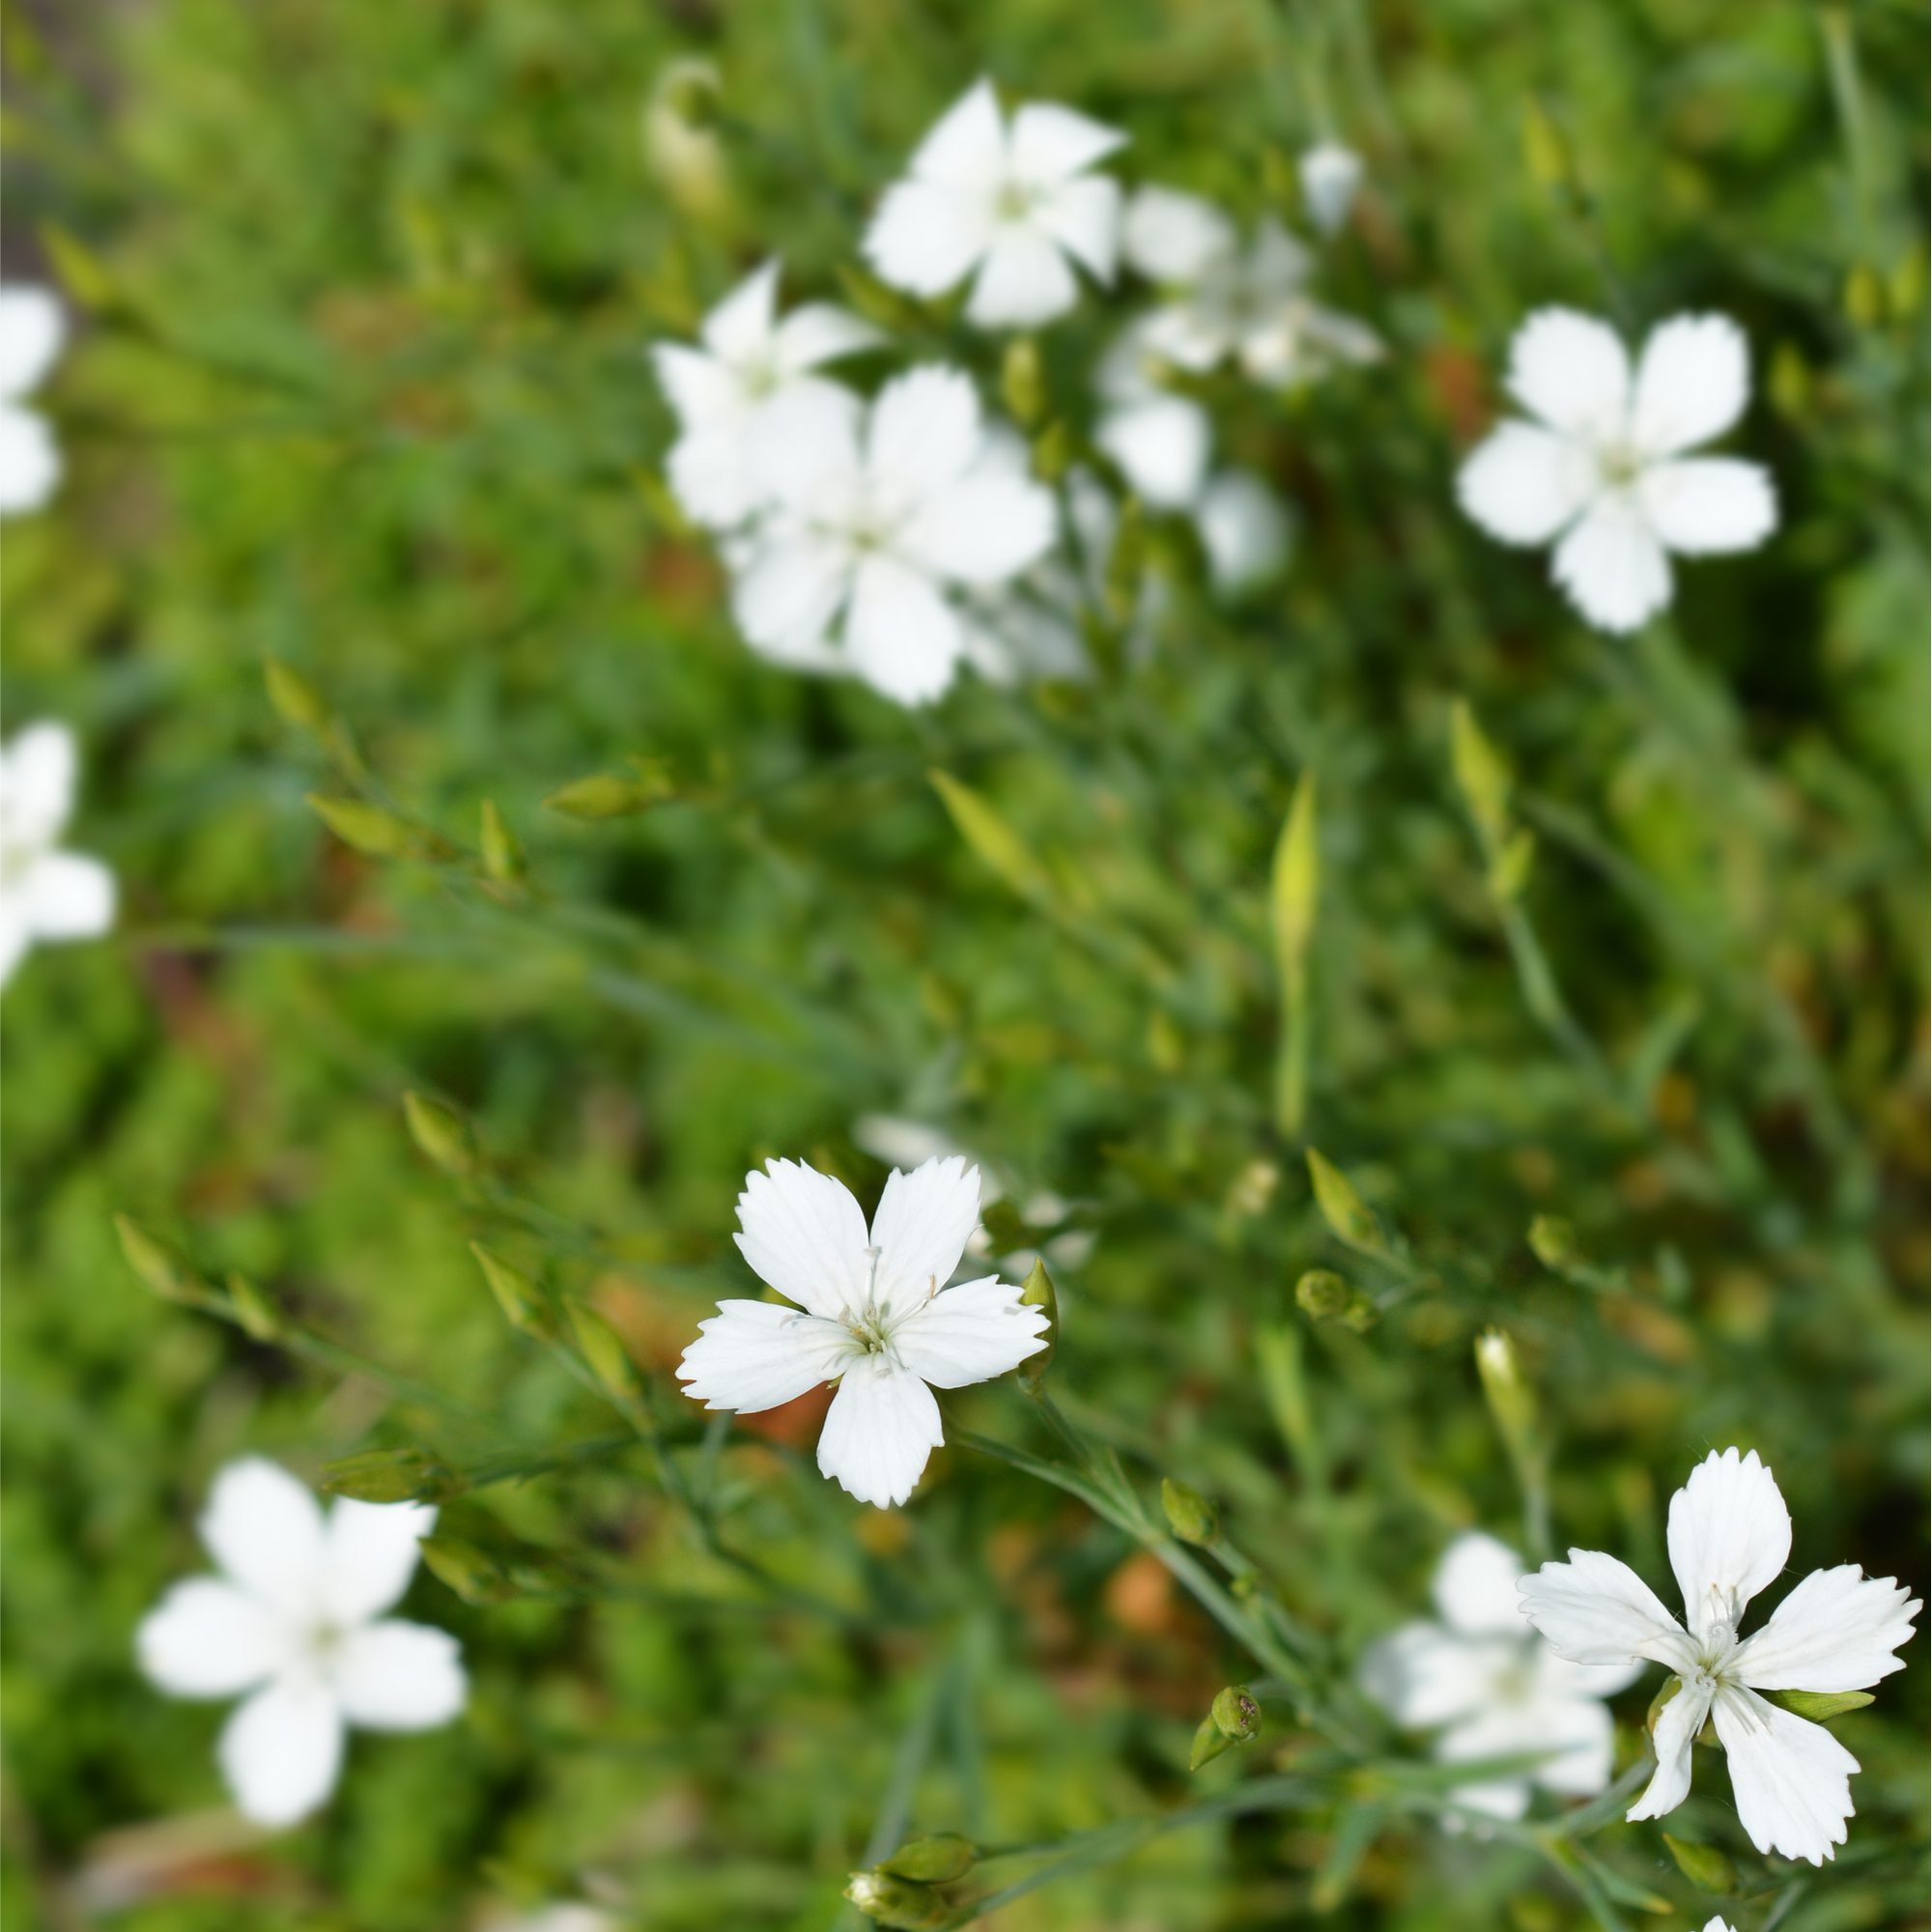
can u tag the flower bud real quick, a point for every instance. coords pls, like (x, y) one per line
(1023, 382)
(1331, 174)
(161, 1273)
(1511, 1399)
(1237, 1713)
(1321, 1291)
(1189, 1514)
(1481, 775)
(503, 854)
(1704, 1865)
(297, 701)
(604, 1350)
(369, 828)
(1209, 1742)
(1553, 1240)
(475, 1575)
(392, 1476)
(898, 1902)
(1509, 870)
(1348, 1219)
(610, 795)
(1818, 1705)
(1038, 1292)
(443, 1134)
(253, 1310)
(937, 1860)
(521, 1299)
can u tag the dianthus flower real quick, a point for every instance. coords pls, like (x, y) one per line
(45, 894)
(31, 333)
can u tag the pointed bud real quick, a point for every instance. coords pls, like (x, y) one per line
(475, 1575)
(934, 1861)
(392, 1476)
(380, 834)
(1023, 382)
(1704, 1865)
(1481, 775)
(253, 1310)
(604, 1350)
(297, 701)
(1189, 1514)
(161, 1272)
(1509, 870)
(898, 1902)
(1511, 1399)
(84, 278)
(521, 1299)
(612, 795)
(1237, 1713)
(503, 854)
(1322, 1293)
(1553, 1240)
(1037, 1291)
(1052, 453)
(443, 1134)
(1544, 152)
(1342, 1207)
(1209, 1742)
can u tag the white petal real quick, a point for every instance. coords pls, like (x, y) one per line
(701, 390)
(370, 1554)
(1084, 217)
(1499, 1797)
(1577, 1729)
(1331, 174)
(923, 434)
(1423, 1675)
(1791, 1779)
(1677, 1728)
(1613, 567)
(281, 1750)
(1729, 1535)
(1593, 1609)
(32, 329)
(902, 635)
(739, 330)
(1523, 484)
(921, 1227)
(1051, 143)
(37, 774)
(1162, 448)
(1709, 505)
(1171, 237)
(818, 332)
(397, 1676)
(927, 237)
(1243, 529)
(805, 439)
(970, 1334)
(265, 1529)
(715, 475)
(1476, 1586)
(1571, 372)
(1277, 263)
(30, 461)
(806, 1236)
(1024, 281)
(1692, 382)
(790, 589)
(63, 896)
(967, 146)
(754, 1355)
(1557, 1677)
(982, 529)
(15, 939)
(206, 1639)
(1835, 1631)
(882, 1426)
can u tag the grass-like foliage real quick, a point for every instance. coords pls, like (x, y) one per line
(1456, 1067)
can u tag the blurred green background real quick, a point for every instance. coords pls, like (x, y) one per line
(362, 295)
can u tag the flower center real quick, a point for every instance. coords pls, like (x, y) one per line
(1619, 465)
(1014, 201)
(871, 1326)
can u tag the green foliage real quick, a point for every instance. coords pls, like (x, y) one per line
(364, 507)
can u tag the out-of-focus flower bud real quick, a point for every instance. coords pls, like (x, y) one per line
(521, 1299)
(392, 1476)
(475, 1575)
(898, 1902)
(502, 853)
(1023, 382)
(1237, 1713)
(1330, 175)
(1704, 1865)
(161, 1273)
(368, 827)
(604, 1350)
(1189, 1514)
(937, 1860)
(612, 795)
(253, 1310)
(1553, 1240)
(681, 143)
(443, 1134)
(1322, 1293)
(1342, 1207)
(297, 701)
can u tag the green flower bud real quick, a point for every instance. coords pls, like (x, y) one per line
(1023, 382)
(443, 1134)
(161, 1273)
(521, 1299)
(1348, 1219)
(392, 1476)
(1037, 1291)
(471, 1572)
(297, 701)
(934, 1861)
(1189, 1514)
(502, 854)
(368, 827)
(1209, 1742)
(253, 1310)
(1237, 1713)
(1321, 1291)
(898, 1902)
(1704, 1865)
(1553, 1240)
(609, 795)
(604, 1350)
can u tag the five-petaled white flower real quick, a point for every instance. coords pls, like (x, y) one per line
(1015, 202)
(1729, 1536)
(295, 1618)
(866, 533)
(738, 392)
(31, 331)
(1331, 174)
(43, 893)
(874, 1315)
(1252, 305)
(1498, 1688)
(1603, 465)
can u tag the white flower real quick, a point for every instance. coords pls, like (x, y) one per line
(1015, 202)
(874, 1315)
(746, 389)
(1500, 1689)
(31, 333)
(1331, 174)
(1243, 529)
(43, 893)
(1729, 1537)
(1253, 306)
(1162, 441)
(865, 534)
(1603, 465)
(295, 1618)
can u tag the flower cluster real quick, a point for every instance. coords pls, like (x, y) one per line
(45, 892)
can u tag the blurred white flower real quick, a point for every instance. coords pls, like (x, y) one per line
(1243, 529)
(43, 893)
(1253, 306)
(865, 534)
(1498, 1688)
(1013, 201)
(296, 1619)
(1330, 175)
(874, 1315)
(31, 333)
(1162, 441)
(745, 390)
(1729, 1537)
(1602, 467)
